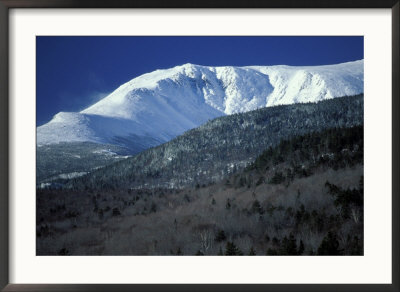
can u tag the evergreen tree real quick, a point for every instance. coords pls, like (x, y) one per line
(220, 252)
(232, 249)
(63, 251)
(116, 212)
(289, 246)
(271, 251)
(220, 236)
(101, 214)
(199, 253)
(153, 207)
(301, 248)
(356, 247)
(256, 207)
(329, 245)
(228, 204)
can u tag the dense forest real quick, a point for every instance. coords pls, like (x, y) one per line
(221, 147)
(299, 192)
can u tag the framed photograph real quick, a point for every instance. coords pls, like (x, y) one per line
(209, 146)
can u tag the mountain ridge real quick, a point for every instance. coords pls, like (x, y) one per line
(155, 107)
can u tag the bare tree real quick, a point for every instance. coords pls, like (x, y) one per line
(355, 214)
(206, 240)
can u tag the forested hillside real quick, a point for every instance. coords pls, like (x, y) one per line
(222, 146)
(66, 160)
(303, 196)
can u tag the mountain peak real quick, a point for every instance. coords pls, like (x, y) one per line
(188, 65)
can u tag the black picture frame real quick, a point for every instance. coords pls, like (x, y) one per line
(6, 5)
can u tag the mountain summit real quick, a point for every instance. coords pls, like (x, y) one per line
(156, 107)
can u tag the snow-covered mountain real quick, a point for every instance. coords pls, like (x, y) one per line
(156, 107)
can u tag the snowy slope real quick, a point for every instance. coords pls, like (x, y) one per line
(155, 107)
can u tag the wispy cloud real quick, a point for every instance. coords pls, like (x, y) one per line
(76, 102)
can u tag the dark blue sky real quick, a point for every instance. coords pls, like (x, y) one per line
(74, 72)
